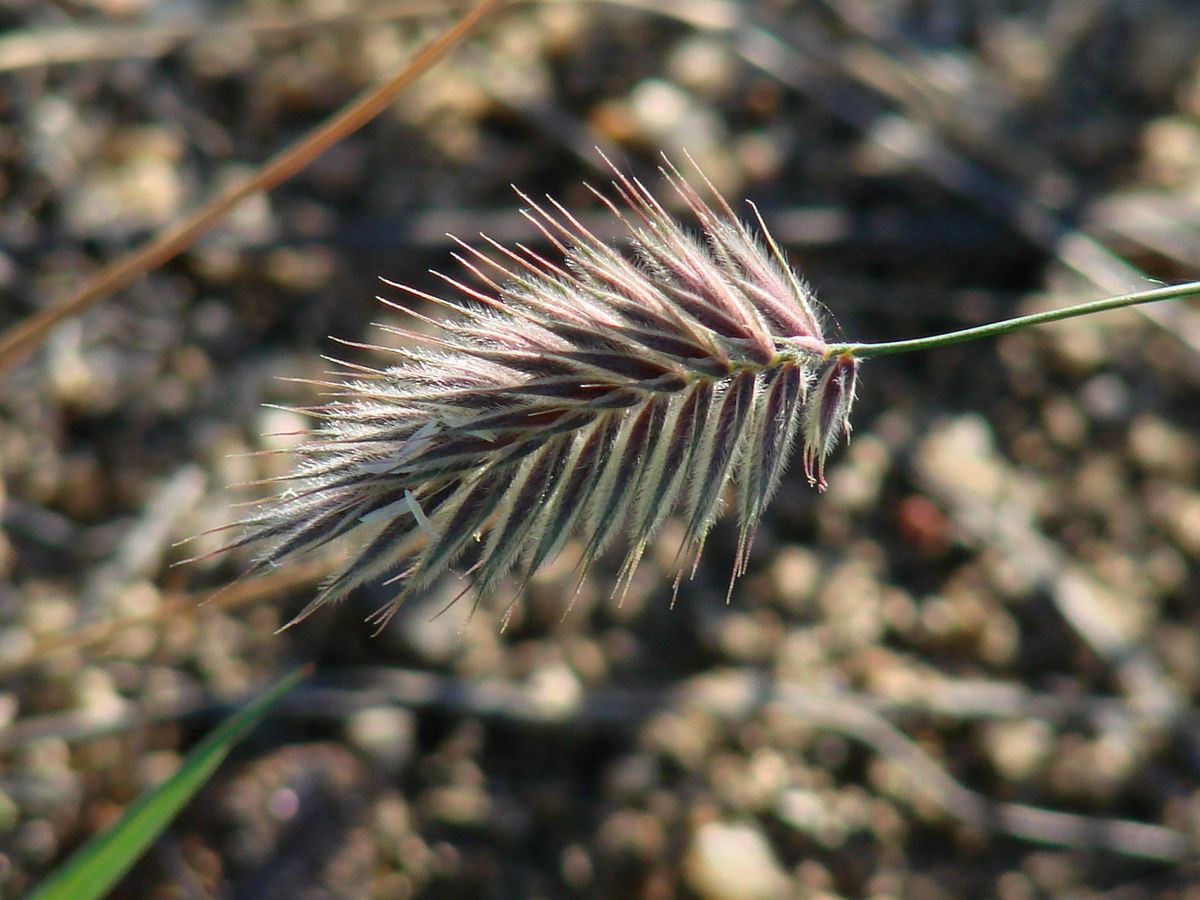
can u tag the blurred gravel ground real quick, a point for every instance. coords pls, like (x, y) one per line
(981, 645)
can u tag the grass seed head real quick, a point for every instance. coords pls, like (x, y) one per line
(590, 396)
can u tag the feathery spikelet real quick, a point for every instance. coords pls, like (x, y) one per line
(588, 398)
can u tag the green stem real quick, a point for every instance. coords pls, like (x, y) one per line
(866, 351)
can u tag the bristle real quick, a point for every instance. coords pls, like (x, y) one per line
(577, 398)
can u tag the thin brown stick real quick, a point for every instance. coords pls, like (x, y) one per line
(240, 593)
(19, 341)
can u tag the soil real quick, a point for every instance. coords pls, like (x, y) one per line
(967, 669)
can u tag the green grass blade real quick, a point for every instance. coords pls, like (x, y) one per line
(98, 865)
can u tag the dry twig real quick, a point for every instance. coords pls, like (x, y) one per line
(22, 339)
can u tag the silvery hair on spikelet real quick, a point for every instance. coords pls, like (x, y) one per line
(585, 398)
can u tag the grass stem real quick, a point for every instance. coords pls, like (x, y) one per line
(866, 351)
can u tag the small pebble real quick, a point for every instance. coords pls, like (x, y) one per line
(733, 862)
(384, 734)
